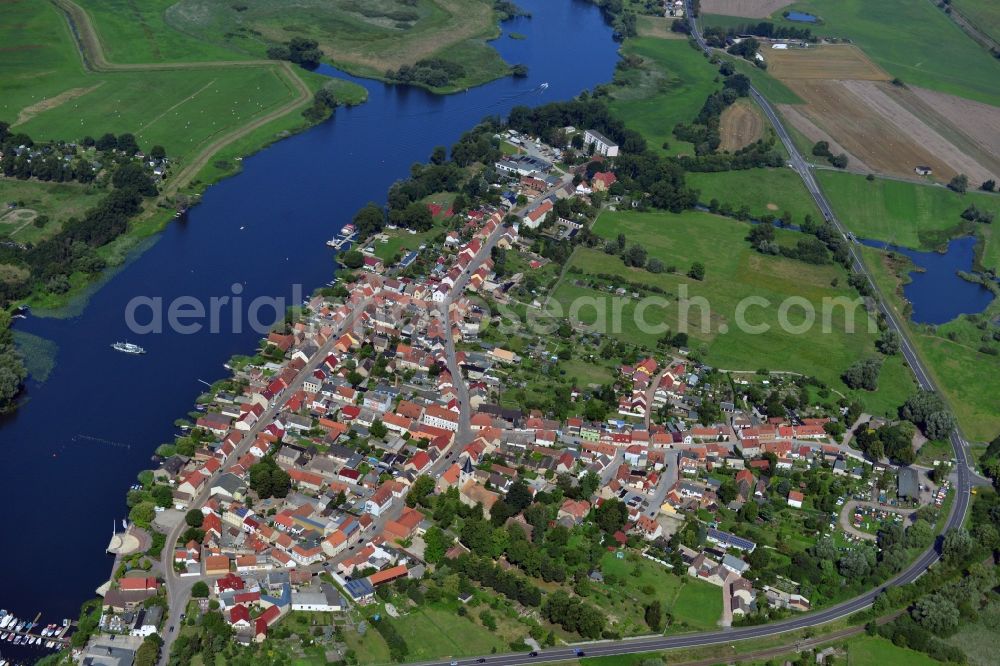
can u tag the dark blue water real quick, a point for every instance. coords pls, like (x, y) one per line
(71, 452)
(937, 294)
(800, 17)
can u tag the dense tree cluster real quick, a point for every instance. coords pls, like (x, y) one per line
(718, 36)
(892, 441)
(301, 51)
(432, 72)
(12, 372)
(269, 480)
(484, 571)
(975, 214)
(863, 374)
(573, 614)
(928, 412)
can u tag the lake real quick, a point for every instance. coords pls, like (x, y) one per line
(71, 452)
(937, 293)
(800, 17)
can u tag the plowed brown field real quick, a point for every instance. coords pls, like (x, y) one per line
(740, 125)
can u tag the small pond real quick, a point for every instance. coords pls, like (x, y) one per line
(801, 17)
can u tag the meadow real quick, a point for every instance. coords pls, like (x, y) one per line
(364, 38)
(922, 217)
(950, 351)
(767, 192)
(57, 201)
(734, 271)
(907, 39)
(669, 87)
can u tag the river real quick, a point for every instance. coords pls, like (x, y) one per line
(71, 452)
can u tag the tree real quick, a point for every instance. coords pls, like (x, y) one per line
(654, 265)
(839, 161)
(132, 176)
(988, 185)
(821, 149)
(635, 256)
(929, 413)
(142, 514)
(378, 430)
(106, 142)
(157, 152)
(653, 615)
(863, 374)
(127, 144)
(352, 259)
(611, 515)
(956, 546)
(194, 518)
(959, 183)
(199, 590)
(148, 653)
(436, 544)
(888, 342)
(697, 271)
(936, 613)
(269, 480)
(439, 155)
(422, 487)
(370, 219)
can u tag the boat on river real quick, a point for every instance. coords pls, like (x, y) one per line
(128, 348)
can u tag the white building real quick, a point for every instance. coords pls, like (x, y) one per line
(602, 144)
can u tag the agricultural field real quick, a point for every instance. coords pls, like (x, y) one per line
(984, 14)
(669, 87)
(967, 376)
(366, 38)
(657, 26)
(740, 125)
(921, 217)
(734, 271)
(920, 32)
(767, 192)
(744, 8)
(884, 127)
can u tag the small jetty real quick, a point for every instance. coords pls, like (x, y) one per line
(347, 234)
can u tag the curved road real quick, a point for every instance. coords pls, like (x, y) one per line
(916, 569)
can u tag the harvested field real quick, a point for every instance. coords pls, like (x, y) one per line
(980, 122)
(834, 61)
(794, 116)
(740, 125)
(884, 135)
(29, 112)
(746, 8)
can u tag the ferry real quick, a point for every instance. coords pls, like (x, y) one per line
(128, 348)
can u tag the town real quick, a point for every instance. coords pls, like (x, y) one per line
(370, 450)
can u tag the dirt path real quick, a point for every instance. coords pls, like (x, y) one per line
(94, 59)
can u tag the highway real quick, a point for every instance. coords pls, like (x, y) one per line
(956, 517)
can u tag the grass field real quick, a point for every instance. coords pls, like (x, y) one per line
(137, 32)
(734, 272)
(876, 651)
(967, 376)
(768, 192)
(908, 214)
(920, 32)
(741, 124)
(669, 88)
(365, 38)
(984, 14)
(59, 201)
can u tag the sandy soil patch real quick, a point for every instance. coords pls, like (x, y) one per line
(747, 8)
(794, 116)
(29, 112)
(833, 61)
(740, 125)
(772, 206)
(980, 122)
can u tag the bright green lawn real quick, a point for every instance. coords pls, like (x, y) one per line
(908, 39)
(734, 272)
(877, 651)
(757, 188)
(698, 605)
(670, 88)
(908, 214)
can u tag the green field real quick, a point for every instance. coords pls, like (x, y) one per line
(768, 192)
(909, 214)
(734, 271)
(984, 14)
(967, 376)
(907, 39)
(138, 32)
(59, 201)
(876, 651)
(670, 87)
(366, 38)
